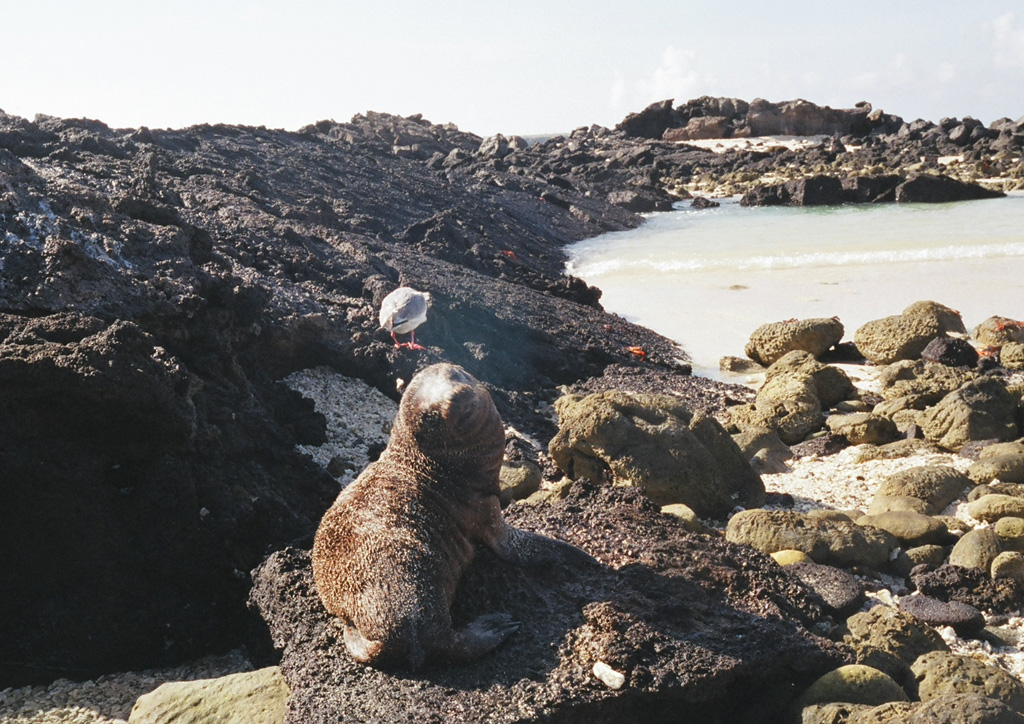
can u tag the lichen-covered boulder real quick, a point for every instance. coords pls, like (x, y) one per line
(976, 549)
(1012, 355)
(940, 673)
(827, 540)
(910, 528)
(853, 684)
(997, 331)
(1008, 468)
(982, 409)
(921, 383)
(771, 341)
(863, 428)
(990, 508)
(890, 630)
(935, 486)
(657, 443)
(887, 340)
(251, 697)
(948, 319)
(786, 404)
(831, 384)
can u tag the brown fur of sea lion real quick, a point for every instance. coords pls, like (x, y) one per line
(391, 549)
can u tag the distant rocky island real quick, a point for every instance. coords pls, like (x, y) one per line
(157, 285)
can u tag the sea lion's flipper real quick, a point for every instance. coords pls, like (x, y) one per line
(362, 649)
(482, 635)
(532, 549)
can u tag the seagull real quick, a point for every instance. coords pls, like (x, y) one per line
(403, 311)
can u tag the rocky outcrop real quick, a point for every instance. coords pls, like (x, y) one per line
(830, 190)
(672, 620)
(929, 189)
(156, 286)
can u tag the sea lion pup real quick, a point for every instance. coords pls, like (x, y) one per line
(391, 549)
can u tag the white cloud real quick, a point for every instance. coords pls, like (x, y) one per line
(618, 90)
(945, 72)
(1008, 44)
(674, 78)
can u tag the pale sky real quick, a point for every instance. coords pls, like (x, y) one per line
(521, 66)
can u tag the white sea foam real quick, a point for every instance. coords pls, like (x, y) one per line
(595, 269)
(708, 279)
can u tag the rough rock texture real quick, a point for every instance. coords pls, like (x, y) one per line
(771, 341)
(826, 540)
(854, 684)
(884, 341)
(936, 486)
(253, 697)
(692, 623)
(999, 331)
(972, 586)
(786, 404)
(1008, 468)
(863, 428)
(156, 285)
(894, 632)
(980, 410)
(658, 443)
(931, 189)
(919, 382)
(842, 593)
(940, 673)
(964, 619)
(831, 384)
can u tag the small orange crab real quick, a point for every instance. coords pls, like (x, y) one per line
(639, 352)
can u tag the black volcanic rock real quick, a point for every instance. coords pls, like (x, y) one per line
(651, 122)
(925, 188)
(156, 285)
(692, 622)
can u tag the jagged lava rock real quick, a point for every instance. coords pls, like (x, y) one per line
(160, 284)
(926, 188)
(690, 621)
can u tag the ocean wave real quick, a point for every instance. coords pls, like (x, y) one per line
(585, 268)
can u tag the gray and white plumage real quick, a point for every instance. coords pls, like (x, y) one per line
(403, 310)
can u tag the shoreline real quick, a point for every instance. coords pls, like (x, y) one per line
(168, 280)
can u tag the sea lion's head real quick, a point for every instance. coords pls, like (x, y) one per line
(451, 418)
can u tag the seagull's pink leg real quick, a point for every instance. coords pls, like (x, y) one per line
(412, 344)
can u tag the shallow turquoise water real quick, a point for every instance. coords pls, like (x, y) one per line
(708, 278)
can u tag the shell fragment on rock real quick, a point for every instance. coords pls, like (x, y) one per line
(608, 676)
